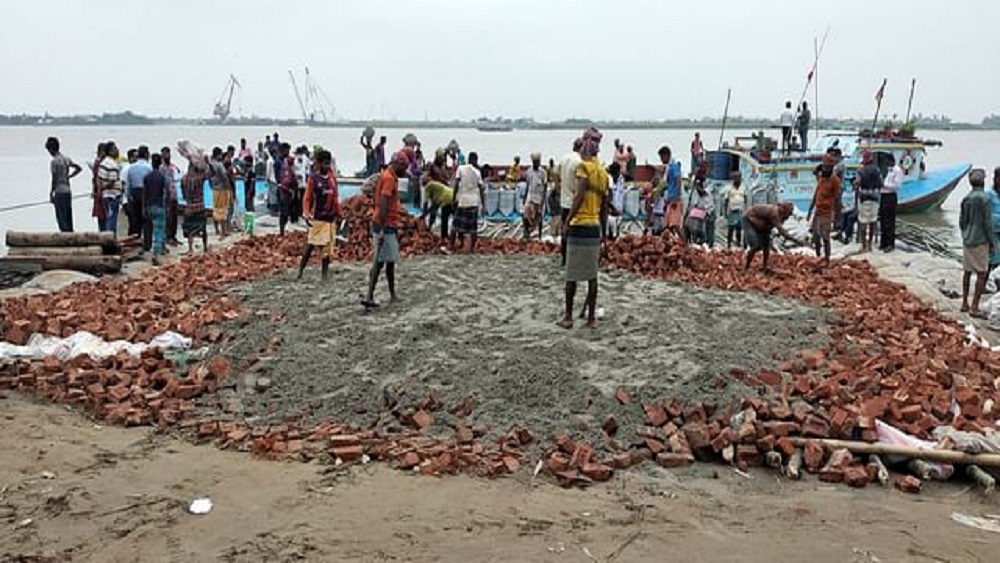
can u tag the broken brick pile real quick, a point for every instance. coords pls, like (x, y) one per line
(890, 357)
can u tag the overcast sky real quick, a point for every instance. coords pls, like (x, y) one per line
(548, 59)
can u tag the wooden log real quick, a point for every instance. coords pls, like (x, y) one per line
(87, 264)
(940, 456)
(55, 251)
(22, 239)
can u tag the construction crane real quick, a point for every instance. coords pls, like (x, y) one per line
(316, 98)
(305, 114)
(223, 106)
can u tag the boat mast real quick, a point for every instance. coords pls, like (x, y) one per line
(909, 105)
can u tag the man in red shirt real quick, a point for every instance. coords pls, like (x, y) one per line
(321, 207)
(386, 215)
(824, 207)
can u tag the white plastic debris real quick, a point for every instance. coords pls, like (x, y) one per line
(989, 524)
(200, 506)
(85, 343)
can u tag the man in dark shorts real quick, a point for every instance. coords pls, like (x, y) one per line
(758, 223)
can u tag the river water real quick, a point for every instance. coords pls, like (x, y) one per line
(24, 164)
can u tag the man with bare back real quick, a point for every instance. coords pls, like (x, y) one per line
(758, 223)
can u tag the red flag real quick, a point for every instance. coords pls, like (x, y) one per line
(810, 77)
(881, 92)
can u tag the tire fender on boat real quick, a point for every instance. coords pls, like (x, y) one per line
(907, 161)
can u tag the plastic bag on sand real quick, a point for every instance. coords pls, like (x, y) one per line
(893, 436)
(86, 343)
(970, 442)
(992, 309)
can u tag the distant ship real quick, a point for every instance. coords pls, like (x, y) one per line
(494, 128)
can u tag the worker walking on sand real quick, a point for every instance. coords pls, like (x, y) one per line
(583, 229)
(824, 208)
(978, 241)
(534, 196)
(385, 224)
(758, 223)
(321, 207)
(470, 199)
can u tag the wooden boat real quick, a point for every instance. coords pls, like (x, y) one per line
(790, 177)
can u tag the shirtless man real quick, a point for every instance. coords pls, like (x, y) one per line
(758, 223)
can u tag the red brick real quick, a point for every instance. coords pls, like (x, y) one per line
(119, 393)
(725, 438)
(295, 446)
(831, 475)
(769, 377)
(565, 444)
(673, 408)
(780, 429)
(610, 426)
(911, 413)
(695, 414)
(348, 454)
(780, 411)
(655, 446)
(908, 484)
(784, 445)
(558, 461)
(206, 429)
(748, 455)
(813, 455)
(511, 463)
(679, 444)
(623, 396)
(597, 471)
(422, 419)
(523, 435)
(697, 435)
(875, 407)
(655, 414)
(341, 440)
(621, 460)
(670, 460)
(219, 367)
(816, 427)
(765, 444)
(856, 476)
(581, 456)
(463, 435)
(409, 460)
(813, 359)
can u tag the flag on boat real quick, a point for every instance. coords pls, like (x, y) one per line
(881, 91)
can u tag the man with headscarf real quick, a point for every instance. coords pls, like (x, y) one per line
(869, 184)
(583, 228)
(976, 222)
(386, 220)
(758, 223)
(534, 196)
(193, 190)
(824, 207)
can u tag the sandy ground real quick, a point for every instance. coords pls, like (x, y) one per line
(485, 327)
(111, 494)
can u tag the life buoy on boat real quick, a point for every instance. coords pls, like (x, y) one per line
(907, 161)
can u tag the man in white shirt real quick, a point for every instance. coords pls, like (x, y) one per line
(567, 186)
(887, 207)
(470, 199)
(787, 121)
(534, 196)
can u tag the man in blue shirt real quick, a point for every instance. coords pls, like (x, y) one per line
(673, 212)
(137, 172)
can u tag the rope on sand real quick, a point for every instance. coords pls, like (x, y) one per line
(929, 240)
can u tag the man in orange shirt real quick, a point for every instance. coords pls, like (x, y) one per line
(321, 208)
(386, 214)
(824, 207)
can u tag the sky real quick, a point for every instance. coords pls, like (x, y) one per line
(462, 59)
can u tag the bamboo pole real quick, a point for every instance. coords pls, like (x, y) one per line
(941, 456)
(18, 238)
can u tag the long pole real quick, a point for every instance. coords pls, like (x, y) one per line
(878, 106)
(725, 117)
(909, 106)
(816, 85)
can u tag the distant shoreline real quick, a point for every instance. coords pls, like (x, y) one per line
(130, 119)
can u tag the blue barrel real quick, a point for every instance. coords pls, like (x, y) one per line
(719, 165)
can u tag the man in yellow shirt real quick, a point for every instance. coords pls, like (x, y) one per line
(514, 172)
(438, 197)
(583, 231)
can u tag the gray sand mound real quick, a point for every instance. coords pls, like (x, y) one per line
(485, 327)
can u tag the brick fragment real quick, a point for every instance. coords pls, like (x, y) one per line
(813, 455)
(557, 461)
(409, 460)
(348, 454)
(581, 455)
(422, 419)
(748, 455)
(610, 426)
(671, 460)
(597, 471)
(856, 476)
(623, 396)
(908, 484)
(655, 414)
(697, 435)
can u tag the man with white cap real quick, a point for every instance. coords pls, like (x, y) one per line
(534, 196)
(976, 223)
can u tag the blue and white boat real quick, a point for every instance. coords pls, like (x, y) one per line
(773, 177)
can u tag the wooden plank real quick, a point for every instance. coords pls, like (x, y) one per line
(87, 264)
(23, 239)
(941, 456)
(55, 251)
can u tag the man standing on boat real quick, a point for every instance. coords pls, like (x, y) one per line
(758, 223)
(697, 153)
(567, 187)
(60, 194)
(887, 206)
(824, 207)
(786, 121)
(802, 125)
(978, 242)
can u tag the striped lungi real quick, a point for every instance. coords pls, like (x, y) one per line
(466, 220)
(583, 252)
